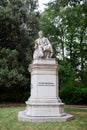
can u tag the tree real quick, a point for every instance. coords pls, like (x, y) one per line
(68, 31)
(18, 27)
(76, 19)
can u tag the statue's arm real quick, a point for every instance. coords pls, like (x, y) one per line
(47, 41)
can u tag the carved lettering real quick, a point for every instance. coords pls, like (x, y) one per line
(46, 84)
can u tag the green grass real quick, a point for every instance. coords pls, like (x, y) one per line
(9, 121)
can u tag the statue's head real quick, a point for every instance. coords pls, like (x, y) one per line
(40, 33)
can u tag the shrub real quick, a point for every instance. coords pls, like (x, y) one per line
(73, 95)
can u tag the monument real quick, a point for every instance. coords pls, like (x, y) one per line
(44, 103)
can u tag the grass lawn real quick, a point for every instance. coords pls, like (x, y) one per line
(9, 121)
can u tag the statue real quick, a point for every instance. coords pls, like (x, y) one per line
(43, 48)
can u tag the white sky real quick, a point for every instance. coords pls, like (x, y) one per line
(41, 2)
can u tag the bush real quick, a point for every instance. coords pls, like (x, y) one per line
(13, 94)
(73, 95)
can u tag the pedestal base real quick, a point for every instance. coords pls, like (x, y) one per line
(23, 117)
(44, 111)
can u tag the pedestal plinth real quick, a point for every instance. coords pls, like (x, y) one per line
(44, 103)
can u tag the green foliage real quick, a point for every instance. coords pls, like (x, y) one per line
(11, 74)
(18, 28)
(66, 27)
(66, 73)
(70, 94)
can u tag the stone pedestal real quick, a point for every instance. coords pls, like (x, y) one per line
(44, 104)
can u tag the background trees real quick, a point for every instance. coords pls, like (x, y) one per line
(65, 23)
(18, 27)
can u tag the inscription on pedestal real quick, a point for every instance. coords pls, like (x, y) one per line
(46, 84)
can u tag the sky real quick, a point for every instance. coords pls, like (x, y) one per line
(41, 2)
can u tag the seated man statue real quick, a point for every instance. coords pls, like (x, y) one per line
(43, 48)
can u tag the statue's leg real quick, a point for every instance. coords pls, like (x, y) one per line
(47, 54)
(51, 54)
